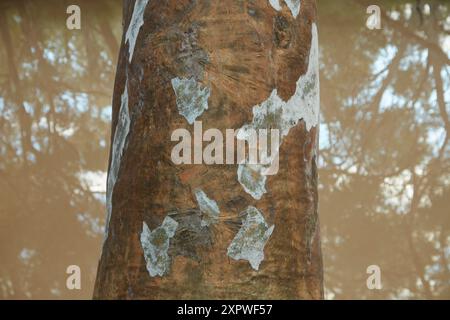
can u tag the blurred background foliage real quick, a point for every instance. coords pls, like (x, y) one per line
(384, 165)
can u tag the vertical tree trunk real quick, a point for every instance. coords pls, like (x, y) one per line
(213, 230)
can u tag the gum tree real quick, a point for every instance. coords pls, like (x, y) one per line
(213, 230)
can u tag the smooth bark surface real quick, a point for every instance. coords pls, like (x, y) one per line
(240, 51)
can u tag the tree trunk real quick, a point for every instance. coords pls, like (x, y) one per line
(199, 231)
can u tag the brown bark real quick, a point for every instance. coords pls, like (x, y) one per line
(241, 50)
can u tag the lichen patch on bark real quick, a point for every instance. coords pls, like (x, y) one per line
(118, 146)
(275, 4)
(137, 20)
(156, 245)
(252, 179)
(208, 207)
(249, 242)
(191, 97)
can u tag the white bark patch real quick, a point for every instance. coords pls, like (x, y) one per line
(275, 4)
(192, 97)
(293, 5)
(118, 146)
(252, 180)
(249, 242)
(156, 245)
(208, 207)
(137, 20)
(274, 113)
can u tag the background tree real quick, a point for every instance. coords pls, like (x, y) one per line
(384, 149)
(54, 121)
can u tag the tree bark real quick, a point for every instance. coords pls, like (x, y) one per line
(199, 231)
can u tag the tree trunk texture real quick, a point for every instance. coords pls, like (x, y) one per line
(200, 231)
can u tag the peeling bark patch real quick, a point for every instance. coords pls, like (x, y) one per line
(118, 146)
(275, 4)
(293, 5)
(156, 245)
(191, 238)
(137, 20)
(208, 207)
(192, 97)
(191, 58)
(252, 179)
(249, 242)
(274, 113)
